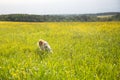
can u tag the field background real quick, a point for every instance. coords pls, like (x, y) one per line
(81, 51)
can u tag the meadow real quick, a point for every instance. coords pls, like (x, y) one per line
(81, 51)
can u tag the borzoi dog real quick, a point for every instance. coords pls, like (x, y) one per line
(44, 46)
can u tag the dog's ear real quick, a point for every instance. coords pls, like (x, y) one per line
(40, 43)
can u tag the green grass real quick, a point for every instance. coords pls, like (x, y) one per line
(81, 51)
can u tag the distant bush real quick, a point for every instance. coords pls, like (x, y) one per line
(60, 18)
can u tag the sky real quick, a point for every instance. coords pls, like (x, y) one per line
(58, 6)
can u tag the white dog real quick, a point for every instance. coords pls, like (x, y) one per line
(44, 46)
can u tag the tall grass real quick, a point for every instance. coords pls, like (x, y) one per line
(81, 51)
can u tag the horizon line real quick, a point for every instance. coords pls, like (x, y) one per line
(63, 13)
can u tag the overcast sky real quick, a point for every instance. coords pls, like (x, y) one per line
(58, 6)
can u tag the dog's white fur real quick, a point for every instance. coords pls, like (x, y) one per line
(44, 46)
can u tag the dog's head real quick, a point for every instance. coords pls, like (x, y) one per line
(41, 42)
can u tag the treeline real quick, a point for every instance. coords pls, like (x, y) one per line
(61, 18)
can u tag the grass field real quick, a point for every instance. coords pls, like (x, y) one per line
(81, 51)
